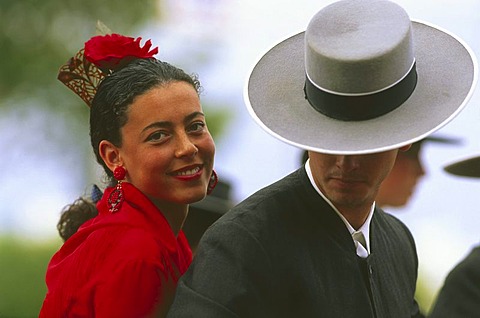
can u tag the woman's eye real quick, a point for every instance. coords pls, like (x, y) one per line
(156, 136)
(197, 127)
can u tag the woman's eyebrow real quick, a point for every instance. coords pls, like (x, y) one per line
(193, 115)
(158, 124)
(166, 124)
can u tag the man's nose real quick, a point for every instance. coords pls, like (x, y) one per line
(347, 163)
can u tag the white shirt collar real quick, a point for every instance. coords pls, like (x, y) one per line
(365, 228)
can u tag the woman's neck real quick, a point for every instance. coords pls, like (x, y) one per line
(174, 213)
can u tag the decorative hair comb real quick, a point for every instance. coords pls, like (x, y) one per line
(101, 56)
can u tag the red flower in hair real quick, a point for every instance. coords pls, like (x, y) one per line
(113, 51)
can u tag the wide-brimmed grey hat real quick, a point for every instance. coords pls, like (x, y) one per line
(362, 78)
(467, 167)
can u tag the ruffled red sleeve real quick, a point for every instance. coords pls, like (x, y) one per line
(124, 264)
(131, 290)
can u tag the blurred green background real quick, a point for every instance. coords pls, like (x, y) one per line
(22, 275)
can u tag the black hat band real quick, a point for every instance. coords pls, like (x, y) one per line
(361, 107)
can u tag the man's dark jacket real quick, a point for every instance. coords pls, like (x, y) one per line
(460, 295)
(284, 252)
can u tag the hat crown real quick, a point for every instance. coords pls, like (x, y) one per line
(358, 46)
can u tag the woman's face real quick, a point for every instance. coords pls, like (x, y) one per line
(167, 149)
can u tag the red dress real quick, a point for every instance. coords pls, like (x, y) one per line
(116, 264)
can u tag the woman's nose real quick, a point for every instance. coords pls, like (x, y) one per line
(185, 147)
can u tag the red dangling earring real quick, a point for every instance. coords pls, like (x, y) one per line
(213, 182)
(115, 199)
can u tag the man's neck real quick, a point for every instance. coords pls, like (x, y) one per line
(355, 216)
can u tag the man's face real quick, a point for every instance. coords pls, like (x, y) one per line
(351, 181)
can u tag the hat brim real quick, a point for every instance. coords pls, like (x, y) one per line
(441, 140)
(469, 167)
(447, 73)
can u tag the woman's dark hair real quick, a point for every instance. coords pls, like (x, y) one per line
(74, 215)
(108, 114)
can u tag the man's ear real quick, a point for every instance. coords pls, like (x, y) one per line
(405, 148)
(110, 154)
